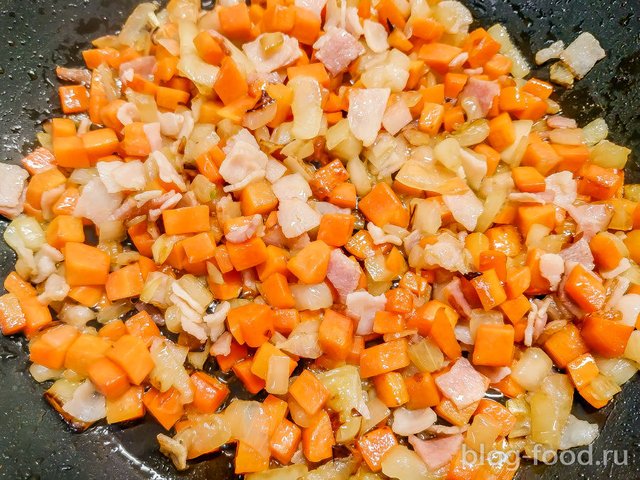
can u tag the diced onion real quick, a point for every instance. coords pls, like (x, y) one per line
(404, 464)
(531, 368)
(277, 381)
(409, 422)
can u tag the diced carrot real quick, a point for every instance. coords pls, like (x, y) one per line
(422, 390)
(166, 407)
(605, 337)
(314, 70)
(573, 156)
(50, 348)
(431, 118)
(453, 118)
(276, 262)
(317, 438)
(336, 228)
(141, 238)
(70, 152)
(491, 155)
(278, 18)
(598, 392)
(493, 259)
(494, 345)
(327, 178)
(361, 245)
(113, 330)
(255, 322)
(512, 99)
(582, 370)
(442, 333)
(131, 354)
(230, 84)
(310, 264)
(108, 378)
(251, 382)
(171, 98)
(247, 254)
(481, 47)
(497, 66)
(382, 206)
(388, 322)
(235, 22)
(529, 215)
(501, 132)
(309, 392)
(427, 29)
(433, 94)
(73, 99)
(584, 288)
(260, 365)
(237, 353)
(12, 318)
(374, 445)
(391, 389)
(516, 308)
(84, 351)
(528, 179)
(200, 247)
(258, 198)
(540, 155)
(499, 412)
(141, 325)
(15, 285)
(100, 143)
(335, 335)
(208, 48)
(598, 182)
(229, 288)
(135, 142)
(63, 229)
(85, 265)
(208, 392)
(489, 289)
(186, 220)
(565, 345)
(605, 251)
(126, 282)
(539, 88)
(438, 55)
(384, 358)
(452, 414)
(276, 291)
(284, 441)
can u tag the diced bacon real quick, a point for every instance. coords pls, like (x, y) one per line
(48, 199)
(296, 217)
(75, 75)
(366, 109)
(167, 172)
(446, 429)
(438, 452)
(564, 187)
(552, 268)
(239, 234)
(363, 307)
(495, 374)
(463, 385)
(343, 273)
(143, 66)
(122, 176)
(324, 208)
(315, 6)
(274, 170)
(448, 252)
(55, 289)
(45, 263)
(172, 201)
(292, 186)
(455, 297)
(526, 197)
(536, 320)
(244, 161)
(287, 53)
(591, 218)
(465, 208)
(558, 121)
(128, 113)
(222, 346)
(12, 189)
(484, 91)
(152, 132)
(578, 252)
(96, 203)
(380, 237)
(336, 49)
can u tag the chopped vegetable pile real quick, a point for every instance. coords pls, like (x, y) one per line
(361, 214)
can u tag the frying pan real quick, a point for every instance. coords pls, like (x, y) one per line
(38, 35)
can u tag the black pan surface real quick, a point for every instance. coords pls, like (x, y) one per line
(37, 35)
